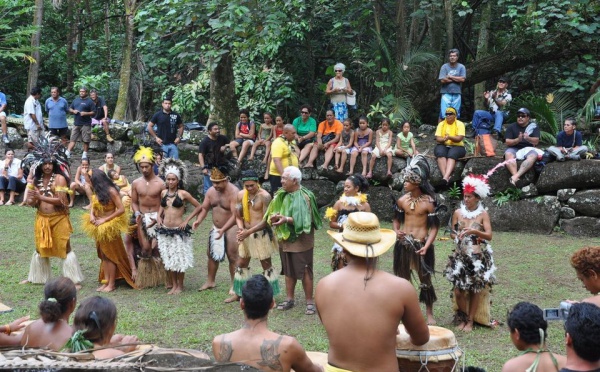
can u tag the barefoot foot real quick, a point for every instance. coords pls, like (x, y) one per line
(206, 286)
(233, 298)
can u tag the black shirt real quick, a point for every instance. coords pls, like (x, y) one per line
(211, 150)
(166, 125)
(512, 132)
(100, 103)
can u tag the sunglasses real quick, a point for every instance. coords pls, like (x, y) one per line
(338, 70)
(304, 112)
(449, 114)
(522, 116)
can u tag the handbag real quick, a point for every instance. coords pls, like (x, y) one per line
(351, 98)
(485, 145)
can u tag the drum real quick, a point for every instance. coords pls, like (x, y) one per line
(440, 354)
(317, 358)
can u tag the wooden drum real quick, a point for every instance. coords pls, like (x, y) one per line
(440, 354)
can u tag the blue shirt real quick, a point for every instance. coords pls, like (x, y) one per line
(563, 140)
(2, 99)
(57, 112)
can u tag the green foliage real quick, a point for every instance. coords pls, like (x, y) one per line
(100, 82)
(191, 99)
(504, 196)
(454, 192)
(589, 110)
(15, 37)
(469, 145)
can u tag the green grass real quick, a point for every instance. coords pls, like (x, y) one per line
(530, 268)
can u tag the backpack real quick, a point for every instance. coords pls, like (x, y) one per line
(485, 145)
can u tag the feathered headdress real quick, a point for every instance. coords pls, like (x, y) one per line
(478, 183)
(144, 155)
(417, 171)
(176, 167)
(221, 171)
(48, 149)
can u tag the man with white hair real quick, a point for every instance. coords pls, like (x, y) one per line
(294, 215)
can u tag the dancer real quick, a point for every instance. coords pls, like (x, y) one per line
(145, 203)
(105, 223)
(352, 200)
(48, 194)
(471, 268)
(53, 331)
(174, 232)
(416, 224)
(255, 237)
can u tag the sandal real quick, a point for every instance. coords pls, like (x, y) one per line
(310, 309)
(285, 305)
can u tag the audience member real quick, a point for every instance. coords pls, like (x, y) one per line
(337, 88)
(582, 328)
(528, 332)
(109, 164)
(211, 153)
(81, 183)
(569, 143)
(245, 134)
(383, 146)
(450, 147)
(496, 101)
(83, 108)
(452, 75)
(344, 146)
(405, 142)
(284, 153)
(169, 129)
(328, 136)
(94, 324)
(586, 263)
(522, 139)
(32, 117)
(57, 108)
(124, 187)
(306, 131)
(277, 132)
(3, 117)
(53, 331)
(265, 135)
(11, 177)
(101, 115)
(254, 344)
(355, 306)
(363, 139)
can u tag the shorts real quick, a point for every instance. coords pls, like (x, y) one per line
(295, 263)
(302, 144)
(81, 132)
(366, 150)
(33, 135)
(514, 150)
(59, 132)
(450, 152)
(242, 140)
(346, 149)
(99, 122)
(2, 114)
(378, 155)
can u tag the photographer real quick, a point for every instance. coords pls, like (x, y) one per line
(586, 263)
(497, 102)
(528, 333)
(582, 330)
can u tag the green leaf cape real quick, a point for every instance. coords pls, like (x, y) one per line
(301, 205)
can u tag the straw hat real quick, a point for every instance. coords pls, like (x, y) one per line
(362, 236)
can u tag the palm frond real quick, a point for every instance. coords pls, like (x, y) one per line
(589, 109)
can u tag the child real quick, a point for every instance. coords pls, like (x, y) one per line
(277, 132)
(245, 134)
(383, 146)
(53, 330)
(265, 135)
(405, 143)
(80, 184)
(363, 138)
(94, 324)
(343, 149)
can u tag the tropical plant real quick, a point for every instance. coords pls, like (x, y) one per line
(454, 192)
(591, 110)
(503, 197)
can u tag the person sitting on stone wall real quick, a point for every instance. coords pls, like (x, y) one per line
(521, 139)
(569, 143)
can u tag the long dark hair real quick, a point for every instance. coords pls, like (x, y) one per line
(101, 185)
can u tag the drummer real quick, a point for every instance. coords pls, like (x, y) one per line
(254, 344)
(356, 304)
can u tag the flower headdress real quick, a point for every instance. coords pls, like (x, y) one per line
(175, 167)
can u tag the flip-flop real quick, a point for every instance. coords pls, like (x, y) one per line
(9, 203)
(310, 309)
(285, 305)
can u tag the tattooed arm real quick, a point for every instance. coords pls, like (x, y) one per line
(222, 349)
(299, 359)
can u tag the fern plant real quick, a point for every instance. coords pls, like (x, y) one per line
(503, 197)
(454, 192)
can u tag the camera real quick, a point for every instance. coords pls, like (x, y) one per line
(560, 313)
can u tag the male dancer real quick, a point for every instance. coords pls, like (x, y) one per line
(255, 237)
(52, 227)
(145, 203)
(220, 198)
(416, 225)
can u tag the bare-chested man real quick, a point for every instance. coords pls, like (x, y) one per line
(52, 228)
(254, 344)
(361, 306)
(145, 203)
(220, 198)
(255, 236)
(416, 225)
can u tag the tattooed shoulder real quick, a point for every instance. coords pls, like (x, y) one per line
(269, 352)
(225, 350)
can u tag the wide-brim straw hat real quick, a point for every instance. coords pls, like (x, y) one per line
(362, 236)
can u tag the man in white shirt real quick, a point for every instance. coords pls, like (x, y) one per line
(32, 117)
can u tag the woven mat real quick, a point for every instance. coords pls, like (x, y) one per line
(4, 308)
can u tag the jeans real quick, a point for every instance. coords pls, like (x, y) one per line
(497, 119)
(12, 184)
(207, 183)
(170, 151)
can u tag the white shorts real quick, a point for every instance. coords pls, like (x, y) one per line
(378, 155)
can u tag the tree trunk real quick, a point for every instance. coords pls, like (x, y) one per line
(125, 74)
(433, 24)
(449, 24)
(223, 102)
(482, 50)
(107, 32)
(70, 47)
(34, 68)
(401, 39)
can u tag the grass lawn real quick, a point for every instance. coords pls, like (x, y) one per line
(531, 268)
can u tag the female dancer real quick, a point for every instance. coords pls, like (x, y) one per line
(53, 330)
(105, 223)
(471, 268)
(173, 234)
(352, 200)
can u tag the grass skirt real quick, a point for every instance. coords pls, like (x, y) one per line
(259, 245)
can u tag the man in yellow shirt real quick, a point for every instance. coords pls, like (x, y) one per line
(284, 153)
(450, 147)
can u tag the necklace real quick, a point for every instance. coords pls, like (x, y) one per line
(412, 201)
(171, 195)
(251, 201)
(471, 214)
(46, 190)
